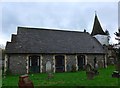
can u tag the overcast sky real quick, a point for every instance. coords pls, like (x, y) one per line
(61, 15)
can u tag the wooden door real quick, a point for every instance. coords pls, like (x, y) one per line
(34, 64)
(59, 63)
(81, 62)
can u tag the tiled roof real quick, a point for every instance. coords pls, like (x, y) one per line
(39, 40)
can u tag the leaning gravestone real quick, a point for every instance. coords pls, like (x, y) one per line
(89, 72)
(88, 67)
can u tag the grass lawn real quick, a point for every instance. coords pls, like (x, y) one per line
(68, 79)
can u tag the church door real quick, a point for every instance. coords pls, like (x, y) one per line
(81, 62)
(59, 63)
(34, 64)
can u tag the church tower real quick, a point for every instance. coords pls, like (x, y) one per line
(98, 32)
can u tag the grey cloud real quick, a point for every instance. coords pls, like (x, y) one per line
(9, 20)
(119, 14)
(74, 16)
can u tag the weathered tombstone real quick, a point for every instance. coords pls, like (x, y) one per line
(111, 61)
(117, 66)
(48, 66)
(89, 71)
(96, 69)
(100, 64)
(88, 67)
(25, 82)
(116, 74)
(49, 70)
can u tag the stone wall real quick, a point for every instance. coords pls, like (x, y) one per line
(70, 60)
(99, 58)
(17, 64)
(46, 58)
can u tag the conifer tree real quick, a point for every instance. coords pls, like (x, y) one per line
(118, 35)
(118, 50)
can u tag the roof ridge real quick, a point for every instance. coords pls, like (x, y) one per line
(48, 29)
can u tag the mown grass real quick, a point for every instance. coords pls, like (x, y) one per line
(68, 79)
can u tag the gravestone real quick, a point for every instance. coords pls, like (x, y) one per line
(116, 74)
(100, 64)
(48, 67)
(96, 69)
(89, 72)
(88, 67)
(49, 70)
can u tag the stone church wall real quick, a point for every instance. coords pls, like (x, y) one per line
(18, 62)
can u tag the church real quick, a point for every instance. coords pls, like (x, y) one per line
(32, 49)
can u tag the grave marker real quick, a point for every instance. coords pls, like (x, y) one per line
(48, 66)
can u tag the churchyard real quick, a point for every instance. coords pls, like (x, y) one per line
(78, 78)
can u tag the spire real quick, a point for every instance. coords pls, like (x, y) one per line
(97, 29)
(95, 13)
